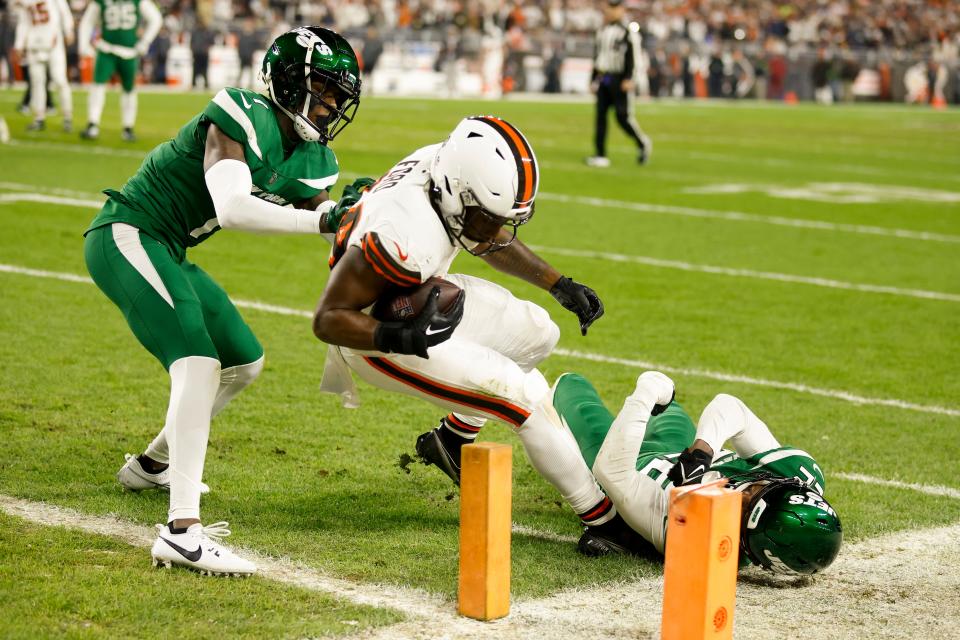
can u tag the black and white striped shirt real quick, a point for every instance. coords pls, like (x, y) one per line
(616, 48)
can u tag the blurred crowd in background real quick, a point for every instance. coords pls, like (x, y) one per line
(825, 50)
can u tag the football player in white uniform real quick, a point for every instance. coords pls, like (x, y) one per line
(478, 361)
(44, 28)
(653, 446)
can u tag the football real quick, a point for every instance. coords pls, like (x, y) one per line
(402, 304)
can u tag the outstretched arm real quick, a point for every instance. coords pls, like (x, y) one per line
(520, 261)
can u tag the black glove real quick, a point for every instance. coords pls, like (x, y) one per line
(424, 330)
(580, 299)
(660, 408)
(690, 467)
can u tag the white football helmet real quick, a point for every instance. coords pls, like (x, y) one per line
(484, 176)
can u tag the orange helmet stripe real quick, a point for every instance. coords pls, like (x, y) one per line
(526, 164)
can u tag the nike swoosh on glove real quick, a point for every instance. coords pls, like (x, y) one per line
(580, 299)
(415, 335)
(690, 467)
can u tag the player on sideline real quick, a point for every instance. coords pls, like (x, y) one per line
(237, 165)
(44, 29)
(653, 446)
(118, 50)
(478, 361)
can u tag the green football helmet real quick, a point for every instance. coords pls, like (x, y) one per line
(789, 528)
(315, 54)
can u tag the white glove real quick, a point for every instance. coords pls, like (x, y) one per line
(655, 388)
(141, 48)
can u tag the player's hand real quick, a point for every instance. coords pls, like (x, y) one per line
(351, 195)
(141, 49)
(416, 335)
(627, 86)
(690, 467)
(68, 39)
(580, 299)
(657, 387)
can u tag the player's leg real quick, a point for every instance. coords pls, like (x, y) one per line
(728, 414)
(583, 412)
(239, 351)
(38, 91)
(493, 317)
(128, 99)
(145, 281)
(104, 67)
(471, 379)
(58, 74)
(624, 106)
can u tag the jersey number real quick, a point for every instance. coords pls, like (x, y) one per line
(120, 16)
(39, 14)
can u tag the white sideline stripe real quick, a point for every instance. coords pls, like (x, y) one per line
(933, 490)
(836, 394)
(410, 601)
(613, 257)
(750, 273)
(872, 582)
(740, 216)
(84, 149)
(593, 357)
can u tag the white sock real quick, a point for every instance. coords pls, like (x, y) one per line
(128, 109)
(95, 100)
(193, 388)
(233, 380)
(66, 101)
(553, 452)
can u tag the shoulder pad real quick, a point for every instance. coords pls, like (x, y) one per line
(241, 114)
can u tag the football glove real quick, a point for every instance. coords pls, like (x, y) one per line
(333, 213)
(416, 335)
(690, 467)
(578, 298)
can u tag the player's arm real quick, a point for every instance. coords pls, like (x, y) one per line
(151, 27)
(520, 261)
(229, 182)
(88, 22)
(20, 35)
(727, 418)
(616, 463)
(66, 21)
(354, 285)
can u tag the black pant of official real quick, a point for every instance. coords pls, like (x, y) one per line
(609, 94)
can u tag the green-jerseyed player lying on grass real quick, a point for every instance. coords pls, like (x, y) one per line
(236, 165)
(652, 445)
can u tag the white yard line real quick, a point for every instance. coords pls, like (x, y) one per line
(614, 257)
(740, 216)
(750, 273)
(836, 394)
(932, 490)
(902, 585)
(643, 207)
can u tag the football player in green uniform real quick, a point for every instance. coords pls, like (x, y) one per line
(118, 51)
(236, 165)
(652, 446)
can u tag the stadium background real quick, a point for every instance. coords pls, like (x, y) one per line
(833, 50)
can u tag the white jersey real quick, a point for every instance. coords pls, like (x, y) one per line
(398, 230)
(42, 24)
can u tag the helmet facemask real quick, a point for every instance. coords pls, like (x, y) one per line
(476, 229)
(296, 104)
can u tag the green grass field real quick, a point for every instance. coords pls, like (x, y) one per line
(779, 278)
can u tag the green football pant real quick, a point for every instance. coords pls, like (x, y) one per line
(106, 64)
(172, 306)
(581, 408)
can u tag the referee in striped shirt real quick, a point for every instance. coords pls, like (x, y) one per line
(616, 49)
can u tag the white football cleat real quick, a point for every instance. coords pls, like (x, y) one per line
(199, 548)
(598, 161)
(134, 477)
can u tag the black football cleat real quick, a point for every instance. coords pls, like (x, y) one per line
(614, 537)
(431, 450)
(127, 135)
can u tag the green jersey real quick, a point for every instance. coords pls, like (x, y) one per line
(168, 199)
(119, 20)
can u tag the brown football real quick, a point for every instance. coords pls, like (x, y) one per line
(402, 304)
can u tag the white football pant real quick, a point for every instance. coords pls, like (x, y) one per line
(38, 61)
(486, 370)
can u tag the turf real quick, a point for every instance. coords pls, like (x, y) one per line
(298, 476)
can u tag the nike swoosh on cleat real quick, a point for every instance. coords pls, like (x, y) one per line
(430, 331)
(192, 556)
